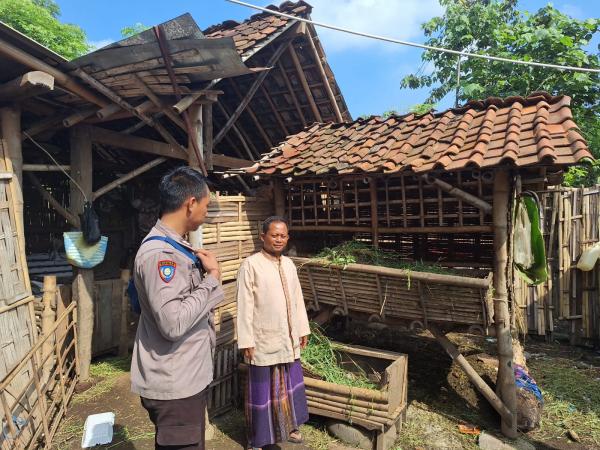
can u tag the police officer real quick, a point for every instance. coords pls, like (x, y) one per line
(172, 362)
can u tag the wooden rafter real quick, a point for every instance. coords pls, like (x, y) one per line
(242, 137)
(126, 106)
(267, 96)
(128, 176)
(60, 209)
(304, 82)
(250, 94)
(328, 89)
(250, 112)
(159, 104)
(292, 93)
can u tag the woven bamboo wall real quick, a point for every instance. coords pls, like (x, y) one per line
(231, 231)
(570, 299)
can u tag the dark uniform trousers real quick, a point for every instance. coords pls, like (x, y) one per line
(179, 423)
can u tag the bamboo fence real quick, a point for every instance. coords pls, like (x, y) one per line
(569, 301)
(31, 414)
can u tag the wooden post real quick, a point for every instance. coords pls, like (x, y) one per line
(506, 388)
(10, 122)
(83, 282)
(124, 338)
(279, 197)
(197, 132)
(207, 133)
(48, 321)
(374, 218)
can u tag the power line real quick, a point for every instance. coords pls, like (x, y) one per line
(415, 44)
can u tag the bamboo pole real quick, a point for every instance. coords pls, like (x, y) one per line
(506, 378)
(274, 110)
(207, 133)
(78, 116)
(475, 378)
(8, 415)
(45, 168)
(47, 319)
(124, 336)
(459, 193)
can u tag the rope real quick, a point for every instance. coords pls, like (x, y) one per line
(57, 164)
(414, 44)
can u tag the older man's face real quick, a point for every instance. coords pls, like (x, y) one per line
(276, 238)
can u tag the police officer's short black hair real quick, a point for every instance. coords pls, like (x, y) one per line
(273, 219)
(178, 185)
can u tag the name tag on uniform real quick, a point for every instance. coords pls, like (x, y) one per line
(166, 270)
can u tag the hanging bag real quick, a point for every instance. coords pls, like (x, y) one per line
(90, 224)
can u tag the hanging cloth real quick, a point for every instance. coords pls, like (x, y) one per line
(529, 246)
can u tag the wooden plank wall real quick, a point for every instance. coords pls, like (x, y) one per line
(569, 302)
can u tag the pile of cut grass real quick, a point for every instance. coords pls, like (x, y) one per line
(319, 358)
(355, 252)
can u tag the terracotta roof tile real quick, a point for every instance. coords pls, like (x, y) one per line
(518, 130)
(252, 33)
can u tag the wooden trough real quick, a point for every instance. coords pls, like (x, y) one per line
(392, 294)
(381, 410)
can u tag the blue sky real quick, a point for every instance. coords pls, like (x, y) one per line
(369, 72)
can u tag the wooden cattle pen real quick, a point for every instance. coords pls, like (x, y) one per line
(381, 410)
(439, 188)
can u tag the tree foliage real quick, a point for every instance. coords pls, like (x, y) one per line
(38, 19)
(498, 28)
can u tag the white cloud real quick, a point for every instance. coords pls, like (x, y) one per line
(101, 43)
(399, 19)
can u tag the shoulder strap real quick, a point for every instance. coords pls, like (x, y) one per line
(176, 245)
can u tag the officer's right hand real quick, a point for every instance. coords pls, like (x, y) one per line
(209, 262)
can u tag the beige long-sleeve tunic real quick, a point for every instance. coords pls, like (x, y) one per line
(271, 313)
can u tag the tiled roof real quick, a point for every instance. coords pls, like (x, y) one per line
(259, 28)
(517, 130)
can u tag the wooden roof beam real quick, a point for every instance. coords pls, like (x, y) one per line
(27, 85)
(230, 162)
(137, 144)
(305, 86)
(250, 94)
(159, 104)
(128, 176)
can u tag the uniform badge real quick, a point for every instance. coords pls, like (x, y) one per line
(166, 270)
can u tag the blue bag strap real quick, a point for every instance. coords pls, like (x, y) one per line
(176, 245)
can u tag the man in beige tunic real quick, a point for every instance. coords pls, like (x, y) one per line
(178, 287)
(272, 328)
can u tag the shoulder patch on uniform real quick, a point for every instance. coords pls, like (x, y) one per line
(166, 269)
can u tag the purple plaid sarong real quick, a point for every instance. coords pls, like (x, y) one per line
(275, 403)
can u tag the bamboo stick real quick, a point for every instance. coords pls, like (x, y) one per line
(459, 193)
(292, 93)
(343, 400)
(128, 176)
(370, 395)
(305, 86)
(350, 409)
(49, 295)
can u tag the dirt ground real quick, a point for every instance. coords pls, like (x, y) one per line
(440, 398)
